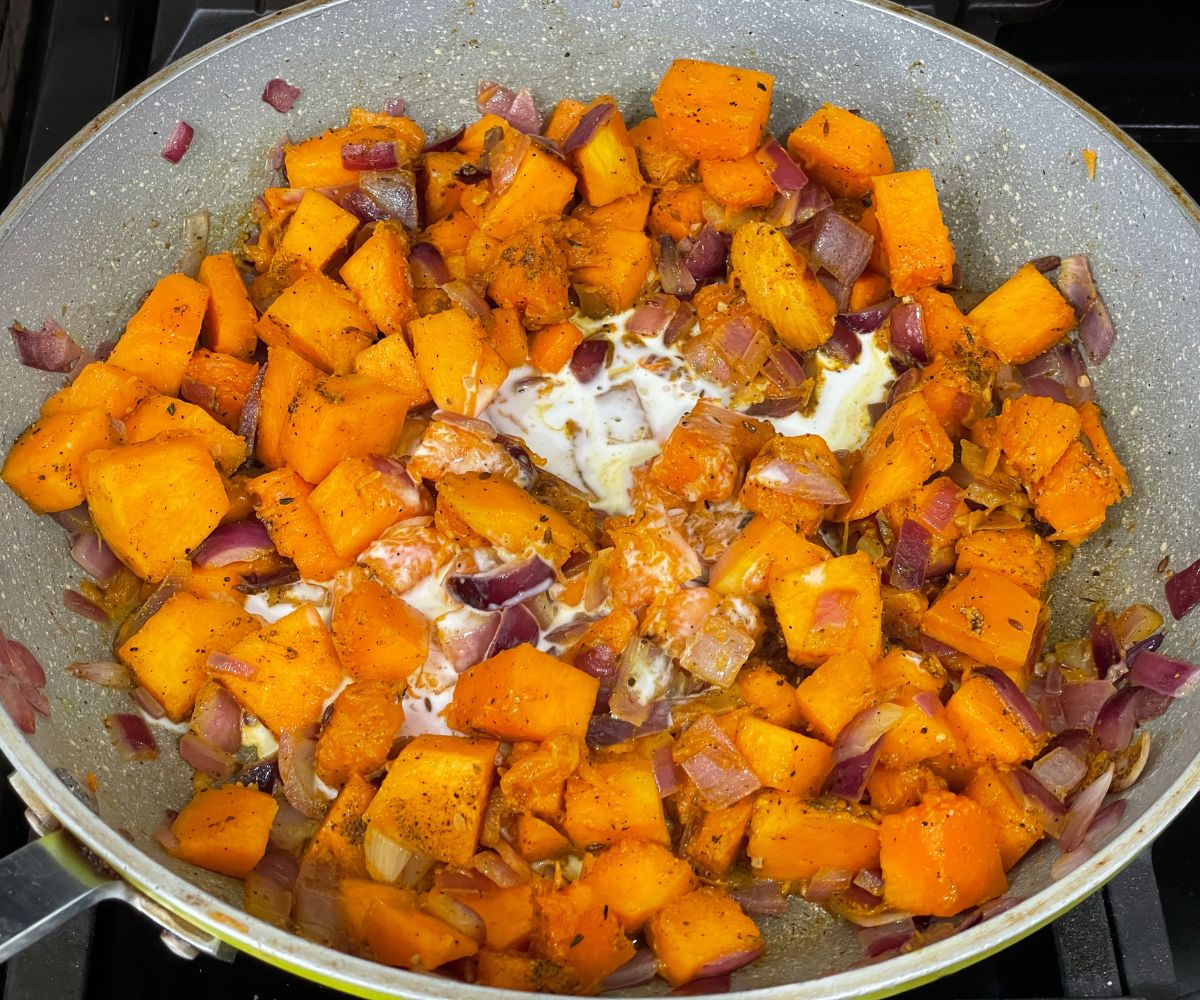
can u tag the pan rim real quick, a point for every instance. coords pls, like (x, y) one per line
(364, 978)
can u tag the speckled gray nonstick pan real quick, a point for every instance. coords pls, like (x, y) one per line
(87, 238)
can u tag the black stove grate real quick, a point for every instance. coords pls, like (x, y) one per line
(1139, 938)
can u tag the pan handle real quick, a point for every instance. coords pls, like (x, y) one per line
(42, 886)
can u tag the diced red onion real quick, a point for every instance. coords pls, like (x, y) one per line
(164, 836)
(1063, 365)
(908, 333)
(515, 107)
(1149, 705)
(106, 673)
(316, 907)
(94, 556)
(80, 605)
(217, 719)
(813, 199)
(781, 213)
(844, 344)
(131, 736)
(1078, 287)
(1013, 697)
(370, 156)
(910, 560)
(589, 359)
(256, 583)
(263, 775)
(644, 673)
(1052, 812)
(298, 772)
(508, 584)
(205, 758)
(466, 636)
(402, 483)
(1183, 590)
(492, 867)
(1106, 652)
(784, 407)
(269, 887)
(839, 291)
(427, 266)
(666, 772)
(805, 481)
(248, 422)
(881, 939)
(1068, 861)
(585, 131)
(364, 207)
(849, 777)
(474, 304)
(606, 730)
(784, 369)
(1131, 762)
(1082, 701)
(841, 247)
(240, 541)
(652, 316)
(675, 278)
(517, 625)
(904, 386)
(703, 987)
(17, 705)
(1105, 824)
(786, 174)
(445, 143)
(1084, 809)
(281, 95)
(222, 663)
(826, 883)
(719, 772)
(1060, 771)
(395, 192)
(1164, 674)
(833, 609)
(457, 914)
(148, 703)
(638, 971)
(178, 142)
(870, 880)
(865, 730)
(200, 393)
(395, 106)
(1046, 264)
(762, 898)
(48, 348)
(681, 322)
(1117, 720)
(727, 964)
(708, 254)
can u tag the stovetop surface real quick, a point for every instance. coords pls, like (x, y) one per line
(1140, 937)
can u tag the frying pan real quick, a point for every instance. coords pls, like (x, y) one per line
(103, 219)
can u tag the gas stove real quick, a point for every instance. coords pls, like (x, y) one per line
(63, 61)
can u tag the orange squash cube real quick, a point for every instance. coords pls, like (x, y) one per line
(1075, 496)
(614, 800)
(763, 550)
(462, 371)
(841, 150)
(286, 374)
(831, 607)
(1020, 555)
(712, 844)
(225, 829)
(46, 466)
(99, 386)
(607, 164)
(835, 693)
(661, 161)
(783, 759)
(358, 736)
(741, 183)
(713, 112)
(340, 416)
(406, 936)
(940, 857)
(378, 636)
(281, 503)
(1016, 821)
(319, 320)
(768, 693)
(159, 338)
(165, 415)
(537, 840)
(985, 729)
(294, 671)
(356, 503)
(540, 189)
(914, 237)
(637, 878)
(791, 838)
(339, 839)
(1023, 318)
(317, 230)
(230, 317)
(391, 362)
(579, 931)
(988, 617)
(167, 655)
(698, 929)
(523, 694)
(766, 492)
(154, 502)
(377, 272)
(434, 796)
